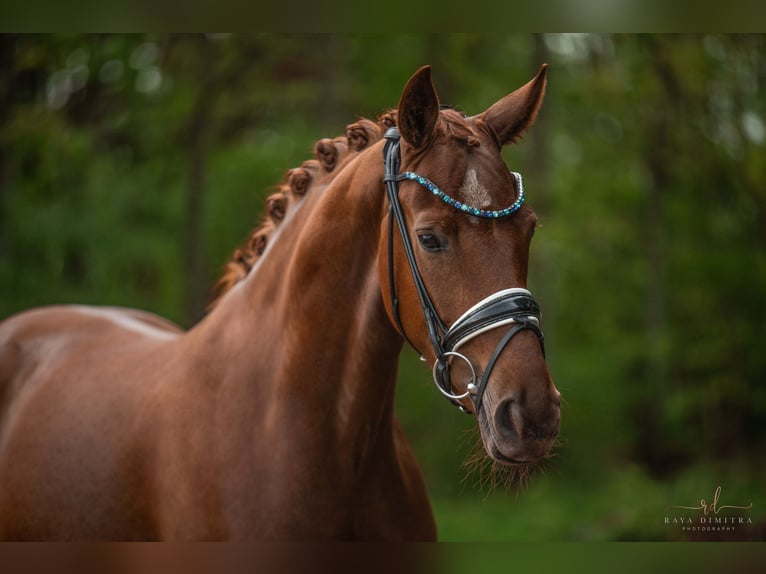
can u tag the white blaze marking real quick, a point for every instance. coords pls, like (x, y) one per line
(473, 193)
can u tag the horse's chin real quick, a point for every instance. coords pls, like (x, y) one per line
(496, 455)
(492, 470)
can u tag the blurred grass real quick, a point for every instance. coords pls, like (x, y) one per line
(614, 504)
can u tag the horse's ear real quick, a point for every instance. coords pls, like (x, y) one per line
(512, 116)
(418, 108)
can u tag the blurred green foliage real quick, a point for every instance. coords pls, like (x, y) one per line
(131, 166)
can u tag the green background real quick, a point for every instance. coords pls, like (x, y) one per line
(132, 165)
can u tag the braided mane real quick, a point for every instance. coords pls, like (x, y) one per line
(329, 154)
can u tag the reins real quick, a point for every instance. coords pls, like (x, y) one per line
(514, 306)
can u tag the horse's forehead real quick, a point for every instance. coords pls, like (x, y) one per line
(485, 181)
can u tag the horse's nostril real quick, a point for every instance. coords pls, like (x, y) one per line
(507, 419)
(556, 398)
(514, 422)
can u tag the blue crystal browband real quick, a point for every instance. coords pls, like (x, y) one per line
(486, 214)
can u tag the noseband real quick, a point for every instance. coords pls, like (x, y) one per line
(515, 307)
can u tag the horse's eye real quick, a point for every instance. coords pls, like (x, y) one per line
(430, 242)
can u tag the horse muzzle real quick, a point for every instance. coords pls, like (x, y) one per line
(514, 433)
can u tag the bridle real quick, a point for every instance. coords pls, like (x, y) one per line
(514, 306)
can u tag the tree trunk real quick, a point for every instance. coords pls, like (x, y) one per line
(656, 453)
(197, 132)
(6, 100)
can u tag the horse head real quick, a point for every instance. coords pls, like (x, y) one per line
(454, 258)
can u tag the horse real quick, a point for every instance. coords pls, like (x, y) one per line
(273, 417)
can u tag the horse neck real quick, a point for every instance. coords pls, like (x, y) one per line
(306, 335)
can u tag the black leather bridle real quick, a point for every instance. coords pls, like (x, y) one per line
(515, 307)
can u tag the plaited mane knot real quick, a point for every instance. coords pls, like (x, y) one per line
(326, 151)
(361, 133)
(276, 204)
(299, 180)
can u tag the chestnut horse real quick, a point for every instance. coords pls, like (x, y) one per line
(273, 417)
